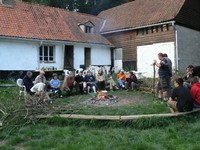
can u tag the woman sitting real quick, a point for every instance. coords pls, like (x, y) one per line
(121, 78)
(181, 99)
(131, 81)
(55, 85)
(69, 83)
(100, 80)
(90, 81)
(111, 82)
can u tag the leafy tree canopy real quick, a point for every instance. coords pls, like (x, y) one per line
(85, 6)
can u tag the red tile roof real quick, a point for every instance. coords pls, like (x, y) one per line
(34, 21)
(140, 13)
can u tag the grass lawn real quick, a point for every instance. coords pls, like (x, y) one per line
(56, 133)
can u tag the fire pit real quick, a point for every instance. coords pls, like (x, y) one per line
(102, 99)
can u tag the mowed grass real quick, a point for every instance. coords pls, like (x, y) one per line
(69, 134)
(176, 134)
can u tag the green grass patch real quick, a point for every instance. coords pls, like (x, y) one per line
(73, 134)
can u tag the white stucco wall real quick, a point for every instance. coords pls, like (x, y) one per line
(146, 54)
(15, 55)
(188, 41)
(78, 56)
(100, 55)
(24, 55)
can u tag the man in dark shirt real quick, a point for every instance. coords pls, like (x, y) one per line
(164, 76)
(28, 82)
(80, 83)
(181, 99)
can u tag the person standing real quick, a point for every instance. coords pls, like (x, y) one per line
(164, 76)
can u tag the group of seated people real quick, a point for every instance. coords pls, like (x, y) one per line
(82, 83)
(186, 94)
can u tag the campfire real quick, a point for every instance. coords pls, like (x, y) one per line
(102, 99)
(103, 96)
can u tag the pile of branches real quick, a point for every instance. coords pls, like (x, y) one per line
(25, 110)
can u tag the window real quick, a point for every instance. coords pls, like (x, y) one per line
(118, 54)
(47, 53)
(88, 29)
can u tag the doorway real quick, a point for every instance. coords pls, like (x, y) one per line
(69, 57)
(87, 57)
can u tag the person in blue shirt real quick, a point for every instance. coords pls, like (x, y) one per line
(55, 85)
(164, 76)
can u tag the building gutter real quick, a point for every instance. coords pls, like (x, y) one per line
(53, 41)
(135, 28)
(176, 46)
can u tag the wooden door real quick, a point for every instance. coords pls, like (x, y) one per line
(69, 57)
(87, 57)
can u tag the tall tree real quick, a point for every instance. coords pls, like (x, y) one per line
(85, 6)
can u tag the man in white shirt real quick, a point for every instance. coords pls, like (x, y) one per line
(41, 90)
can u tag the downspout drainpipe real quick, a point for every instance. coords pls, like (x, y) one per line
(38, 51)
(176, 47)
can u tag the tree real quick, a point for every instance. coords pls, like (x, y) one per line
(85, 6)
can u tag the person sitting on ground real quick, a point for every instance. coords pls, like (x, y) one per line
(131, 81)
(121, 78)
(187, 77)
(40, 78)
(55, 85)
(111, 82)
(181, 99)
(100, 80)
(81, 84)
(69, 83)
(90, 80)
(195, 91)
(41, 90)
(28, 82)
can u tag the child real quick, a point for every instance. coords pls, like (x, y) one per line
(55, 85)
(111, 82)
(121, 78)
(181, 99)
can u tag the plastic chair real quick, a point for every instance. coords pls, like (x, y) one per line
(22, 88)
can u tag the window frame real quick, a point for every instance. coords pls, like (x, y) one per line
(47, 58)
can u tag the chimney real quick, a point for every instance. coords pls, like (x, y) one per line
(7, 3)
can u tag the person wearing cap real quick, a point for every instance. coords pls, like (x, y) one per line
(121, 79)
(40, 78)
(28, 82)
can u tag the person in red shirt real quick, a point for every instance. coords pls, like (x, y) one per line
(195, 91)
